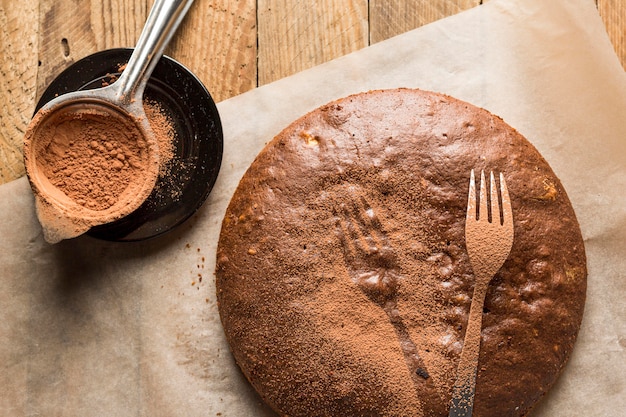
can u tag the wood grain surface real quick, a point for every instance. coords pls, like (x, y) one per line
(294, 35)
(231, 45)
(18, 72)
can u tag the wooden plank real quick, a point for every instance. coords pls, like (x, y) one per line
(18, 71)
(217, 42)
(294, 35)
(217, 39)
(72, 29)
(392, 17)
(613, 14)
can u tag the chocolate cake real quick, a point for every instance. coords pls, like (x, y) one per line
(343, 280)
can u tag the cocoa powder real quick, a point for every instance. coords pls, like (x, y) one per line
(91, 156)
(342, 256)
(164, 132)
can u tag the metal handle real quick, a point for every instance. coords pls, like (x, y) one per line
(163, 20)
(462, 404)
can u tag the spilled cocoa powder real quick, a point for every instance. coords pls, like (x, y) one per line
(170, 184)
(160, 122)
(164, 132)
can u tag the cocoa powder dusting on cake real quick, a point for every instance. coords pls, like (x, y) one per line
(373, 277)
(343, 280)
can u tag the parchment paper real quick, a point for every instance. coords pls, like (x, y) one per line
(90, 328)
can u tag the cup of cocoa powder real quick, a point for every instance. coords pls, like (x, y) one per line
(186, 123)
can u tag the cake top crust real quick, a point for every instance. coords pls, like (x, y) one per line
(343, 280)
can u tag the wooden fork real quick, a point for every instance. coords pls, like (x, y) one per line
(488, 238)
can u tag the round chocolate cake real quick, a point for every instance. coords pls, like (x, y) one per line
(343, 279)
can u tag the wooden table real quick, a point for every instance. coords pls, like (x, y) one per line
(231, 45)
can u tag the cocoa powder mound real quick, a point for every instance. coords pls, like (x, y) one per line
(91, 156)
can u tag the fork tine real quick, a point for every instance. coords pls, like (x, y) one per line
(507, 212)
(483, 210)
(471, 199)
(495, 205)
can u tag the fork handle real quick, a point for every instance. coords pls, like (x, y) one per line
(462, 402)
